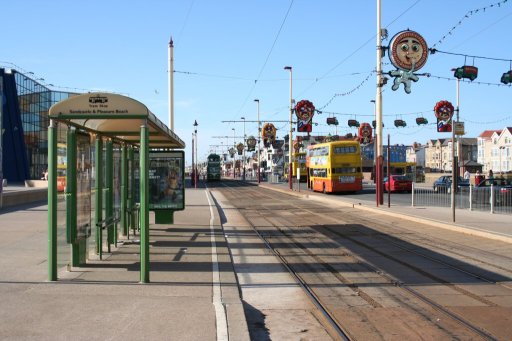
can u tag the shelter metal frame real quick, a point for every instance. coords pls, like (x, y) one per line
(108, 117)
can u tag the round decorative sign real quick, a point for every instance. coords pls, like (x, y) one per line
(444, 110)
(408, 51)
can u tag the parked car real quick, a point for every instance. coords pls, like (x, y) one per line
(502, 189)
(397, 183)
(444, 184)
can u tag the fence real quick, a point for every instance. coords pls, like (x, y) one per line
(490, 199)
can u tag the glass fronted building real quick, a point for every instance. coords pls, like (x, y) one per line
(24, 125)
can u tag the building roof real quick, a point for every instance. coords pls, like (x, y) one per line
(486, 134)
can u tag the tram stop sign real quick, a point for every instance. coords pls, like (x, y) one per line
(166, 184)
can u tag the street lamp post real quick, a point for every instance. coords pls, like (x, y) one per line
(259, 134)
(196, 176)
(234, 155)
(455, 152)
(290, 137)
(243, 160)
(378, 110)
(192, 173)
(374, 143)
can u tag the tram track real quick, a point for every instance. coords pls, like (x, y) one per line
(284, 233)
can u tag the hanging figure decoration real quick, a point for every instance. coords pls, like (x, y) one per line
(251, 143)
(365, 134)
(304, 111)
(268, 134)
(408, 53)
(444, 112)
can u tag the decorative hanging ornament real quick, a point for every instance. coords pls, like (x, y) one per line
(251, 143)
(421, 120)
(268, 133)
(374, 124)
(304, 111)
(506, 78)
(400, 123)
(444, 112)
(332, 121)
(408, 53)
(232, 152)
(353, 123)
(466, 71)
(240, 148)
(365, 133)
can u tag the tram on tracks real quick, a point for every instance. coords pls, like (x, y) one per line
(213, 168)
(335, 167)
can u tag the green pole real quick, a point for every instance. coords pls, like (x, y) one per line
(131, 192)
(109, 197)
(144, 204)
(98, 202)
(71, 197)
(52, 202)
(124, 188)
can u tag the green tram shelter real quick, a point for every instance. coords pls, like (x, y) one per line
(107, 118)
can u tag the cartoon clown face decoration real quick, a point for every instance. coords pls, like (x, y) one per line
(365, 133)
(408, 51)
(268, 133)
(304, 111)
(444, 112)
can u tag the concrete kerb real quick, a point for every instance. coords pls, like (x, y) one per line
(230, 297)
(422, 220)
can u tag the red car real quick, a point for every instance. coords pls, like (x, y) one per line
(398, 183)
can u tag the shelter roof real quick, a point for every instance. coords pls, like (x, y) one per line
(115, 116)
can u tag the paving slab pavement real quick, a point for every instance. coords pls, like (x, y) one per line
(192, 294)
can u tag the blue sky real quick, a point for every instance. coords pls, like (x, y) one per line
(229, 52)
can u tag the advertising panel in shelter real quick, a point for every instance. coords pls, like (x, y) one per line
(166, 188)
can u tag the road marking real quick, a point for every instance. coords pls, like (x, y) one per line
(220, 311)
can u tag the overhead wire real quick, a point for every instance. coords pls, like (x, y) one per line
(267, 58)
(467, 16)
(178, 37)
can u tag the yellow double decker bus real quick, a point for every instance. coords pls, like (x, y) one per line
(335, 167)
(298, 161)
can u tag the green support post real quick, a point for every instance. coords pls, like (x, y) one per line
(52, 202)
(109, 193)
(144, 204)
(124, 189)
(98, 202)
(131, 192)
(71, 197)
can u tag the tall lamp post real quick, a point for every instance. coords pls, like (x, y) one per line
(234, 155)
(259, 134)
(374, 143)
(378, 110)
(455, 152)
(196, 176)
(290, 137)
(243, 160)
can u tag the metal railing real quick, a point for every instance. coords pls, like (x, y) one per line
(487, 199)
